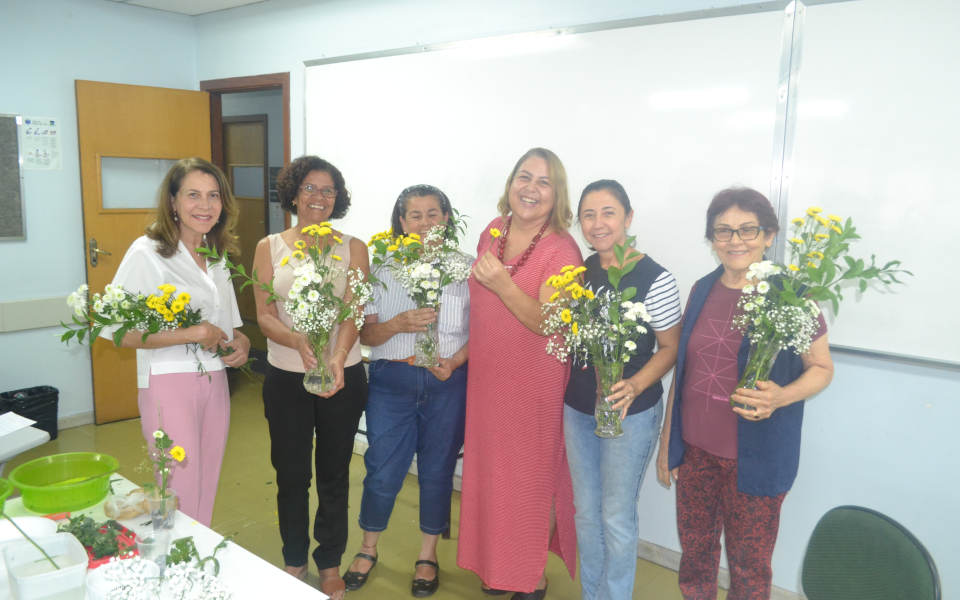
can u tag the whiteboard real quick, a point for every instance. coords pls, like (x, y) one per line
(659, 108)
(876, 140)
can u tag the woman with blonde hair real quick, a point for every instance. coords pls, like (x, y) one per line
(194, 209)
(517, 499)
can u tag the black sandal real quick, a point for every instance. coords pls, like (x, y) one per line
(421, 588)
(493, 591)
(354, 580)
(534, 595)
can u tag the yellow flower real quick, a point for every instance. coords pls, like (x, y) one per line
(835, 228)
(568, 277)
(554, 297)
(579, 270)
(577, 293)
(310, 229)
(339, 241)
(810, 264)
(588, 294)
(815, 254)
(178, 453)
(566, 268)
(821, 236)
(326, 224)
(494, 232)
(165, 298)
(574, 329)
(324, 231)
(184, 297)
(799, 222)
(284, 261)
(393, 248)
(566, 316)
(834, 218)
(815, 209)
(177, 307)
(408, 241)
(335, 257)
(300, 244)
(168, 316)
(795, 240)
(793, 267)
(414, 236)
(823, 221)
(298, 255)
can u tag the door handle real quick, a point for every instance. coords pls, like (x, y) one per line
(94, 252)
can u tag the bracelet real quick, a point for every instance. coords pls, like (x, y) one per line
(340, 350)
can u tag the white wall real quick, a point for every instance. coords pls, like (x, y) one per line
(44, 48)
(870, 439)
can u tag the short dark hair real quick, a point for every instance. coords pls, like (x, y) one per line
(291, 178)
(747, 200)
(608, 185)
(416, 191)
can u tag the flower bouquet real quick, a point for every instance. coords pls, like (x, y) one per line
(312, 302)
(127, 311)
(599, 329)
(423, 268)
(780, 305)
(161, 500)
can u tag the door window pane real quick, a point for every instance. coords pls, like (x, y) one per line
(248, 181)
(132, 182)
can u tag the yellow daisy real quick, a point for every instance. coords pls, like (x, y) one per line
(298, 255)
(392, 248)
(834, 218)
(574, 329)
(835, 228)
(588, 294)
(821, 236)
(300, 244)
(795, 240)
(799, 222)
(335, 257)
(554, 297)
(178, 453)
(494, 232)
(793, 267)
(566, 316)
(566, 268)
(284, 261)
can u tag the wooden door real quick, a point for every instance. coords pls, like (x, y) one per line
(245, 160)
(129, 122)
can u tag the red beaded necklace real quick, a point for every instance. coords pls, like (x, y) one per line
(502, 244)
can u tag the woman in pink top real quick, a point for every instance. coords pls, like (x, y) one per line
(314, 190)
(517, 500)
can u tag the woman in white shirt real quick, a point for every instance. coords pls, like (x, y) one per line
(194, 208)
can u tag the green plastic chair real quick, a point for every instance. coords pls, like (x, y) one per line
(859, 554)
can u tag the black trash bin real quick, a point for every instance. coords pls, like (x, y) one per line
(37, 403)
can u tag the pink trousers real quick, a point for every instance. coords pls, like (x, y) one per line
(196, 416)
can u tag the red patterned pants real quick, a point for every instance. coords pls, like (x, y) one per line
(709, 504)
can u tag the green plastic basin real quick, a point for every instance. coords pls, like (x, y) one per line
(5, 490)
(36, 478)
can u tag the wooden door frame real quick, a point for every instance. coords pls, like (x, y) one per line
(217, 87)
(266, 160)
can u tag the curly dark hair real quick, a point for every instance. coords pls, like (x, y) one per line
(291, 178)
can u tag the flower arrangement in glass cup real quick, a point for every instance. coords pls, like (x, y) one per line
(423, 268)
(600, 329)
(161, 500)
(312, 302)
(127, 311)
(780, 307)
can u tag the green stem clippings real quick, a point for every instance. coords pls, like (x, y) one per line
(29, 539)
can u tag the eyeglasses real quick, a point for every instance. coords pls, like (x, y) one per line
(748, 233)
(312, 190)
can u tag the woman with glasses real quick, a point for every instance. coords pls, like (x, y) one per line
(733, 466)
(314, 190)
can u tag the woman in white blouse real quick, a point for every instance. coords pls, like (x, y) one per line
(194, 208)
(412, 409)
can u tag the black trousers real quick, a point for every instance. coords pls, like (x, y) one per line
(293, 415)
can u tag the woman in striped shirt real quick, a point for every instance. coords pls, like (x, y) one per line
(607, 473)
(411, 409)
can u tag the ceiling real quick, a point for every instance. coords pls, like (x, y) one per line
(189, 7)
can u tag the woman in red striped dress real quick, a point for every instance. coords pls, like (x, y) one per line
(517, 499)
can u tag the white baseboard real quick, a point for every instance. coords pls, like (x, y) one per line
(670, 559)
(75, 420)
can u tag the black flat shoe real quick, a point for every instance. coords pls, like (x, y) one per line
(421, 588)
(493, 591)
(534, 595)
(354, 580)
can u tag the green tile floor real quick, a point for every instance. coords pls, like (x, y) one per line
(246, 504)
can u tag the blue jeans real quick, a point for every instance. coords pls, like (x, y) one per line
(607, 474)
(410, 411)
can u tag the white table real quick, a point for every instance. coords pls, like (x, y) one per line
(247, 575)
(19, 441)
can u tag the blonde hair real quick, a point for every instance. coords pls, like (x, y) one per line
(166, 231)
(561, 216)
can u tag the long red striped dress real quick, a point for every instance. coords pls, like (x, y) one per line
(514, 460)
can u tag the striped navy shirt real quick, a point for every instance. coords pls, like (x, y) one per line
(454, 322)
